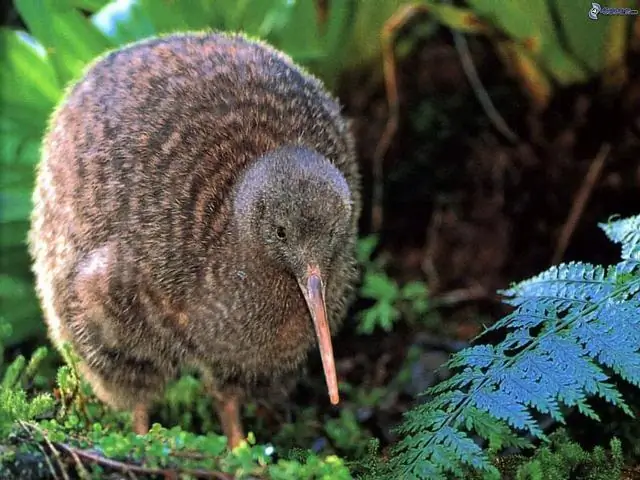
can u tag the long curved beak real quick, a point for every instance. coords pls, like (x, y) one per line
(313, 292)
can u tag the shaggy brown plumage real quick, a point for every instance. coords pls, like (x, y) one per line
(196, 203)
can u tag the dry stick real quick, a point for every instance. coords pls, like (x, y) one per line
(54, 450)
(580, 201)
(128, 469)
(461, 295)
(125, 467)
(391, 26)
(82, 471)
(46, 457)
(480, 92)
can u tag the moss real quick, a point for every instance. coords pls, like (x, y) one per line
(43, 436)
(563, 458)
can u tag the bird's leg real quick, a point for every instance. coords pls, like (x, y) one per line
(141, 419)
(228, 408)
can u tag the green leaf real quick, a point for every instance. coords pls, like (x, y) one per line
(531, 24)
(29, 90)
(421, 306)
(302, 44)
(15, 205)
(17, 176)
(277, 18)
(132, 21)
(627, 232)
(71, 41)
(19, 153)
(387, 315)
(88, 5)
(366, 246)
(338, 28)
(13, 373)
(12, 235)
(20, 309)
(456, 18)
(368, 321)
(414, 291)
(383, 314)
(584, 37)
(380, 287)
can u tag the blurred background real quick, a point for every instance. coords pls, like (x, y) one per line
(492, 136)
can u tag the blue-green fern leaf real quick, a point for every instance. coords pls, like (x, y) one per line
(626, 232)
(573, 328)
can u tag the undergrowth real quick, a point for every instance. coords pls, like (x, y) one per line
(72, 434)
(390, 301)
(573, 333)
(563, 458)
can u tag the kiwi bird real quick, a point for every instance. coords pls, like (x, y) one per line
(196, 206)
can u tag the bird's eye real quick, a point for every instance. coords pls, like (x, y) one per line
(281, 233)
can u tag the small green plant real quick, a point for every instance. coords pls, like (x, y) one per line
(574, 327)
(563, 458)
(15, 405)
(391, 301)
(347, 434)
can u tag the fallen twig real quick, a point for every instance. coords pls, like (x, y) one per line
(460, 295)
(52, 469)
(580, 202)
(82, 471)
(129, 469)
(480, 92)
(126, 467)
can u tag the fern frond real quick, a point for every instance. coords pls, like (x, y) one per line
(626, 232)
(573, 327)
(562, 285)
(438, 449)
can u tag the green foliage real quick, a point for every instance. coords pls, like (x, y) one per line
(163, 451)
(346, 433)
(563, 458)
(552, 41)
(317, 46)
(30, 436)
(83, 424)
(574, 327)
(187, 405)
(15, 406)
(391, 302)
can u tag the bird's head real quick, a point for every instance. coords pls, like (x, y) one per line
(296, 207)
